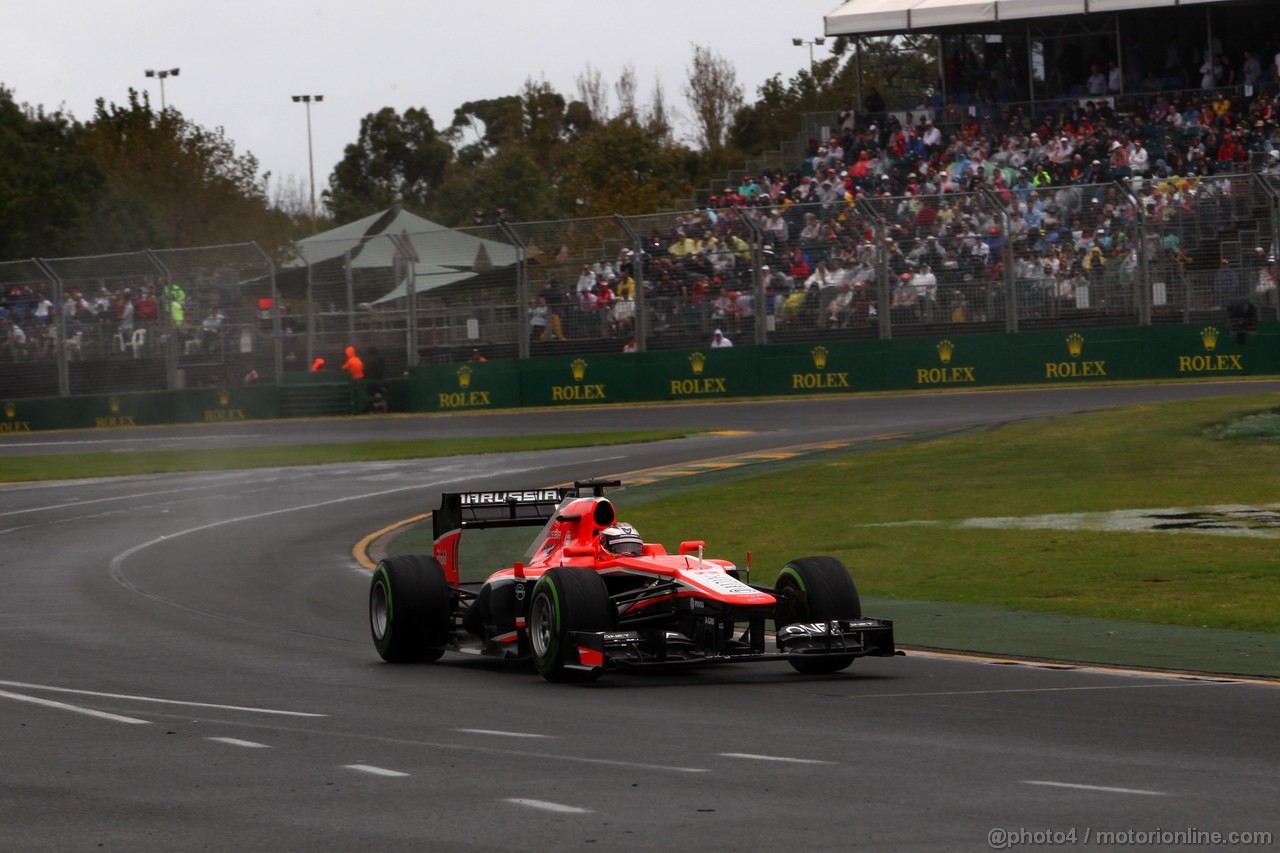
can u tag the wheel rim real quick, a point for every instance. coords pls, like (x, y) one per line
(540, 627)
(379, 610)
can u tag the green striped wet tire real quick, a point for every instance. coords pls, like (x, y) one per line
(410, 609)
(566, 599)
(816, 589)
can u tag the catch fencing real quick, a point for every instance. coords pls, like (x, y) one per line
(838, 267)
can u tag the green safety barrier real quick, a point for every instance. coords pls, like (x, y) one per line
(148, 408)
(462, 387)
(1174, 351)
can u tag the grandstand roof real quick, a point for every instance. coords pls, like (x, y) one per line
(871, 17)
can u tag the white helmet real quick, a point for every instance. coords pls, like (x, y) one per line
(621, 539)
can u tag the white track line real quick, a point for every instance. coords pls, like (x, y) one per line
(1101, 788)
(235, 741)
(160, 701)
(132, 495)
(497, 733)
(375, 771)
(545, 806)
(753, 757)
(63, 706)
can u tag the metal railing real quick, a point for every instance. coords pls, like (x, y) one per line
(1124, 253)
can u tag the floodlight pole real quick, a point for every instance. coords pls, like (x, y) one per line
(819, 40)
(311, 161)
(162, 75)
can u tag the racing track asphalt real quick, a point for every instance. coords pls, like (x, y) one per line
(187, 666)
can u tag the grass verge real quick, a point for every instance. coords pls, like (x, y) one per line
(77, 465)
(1163, 455)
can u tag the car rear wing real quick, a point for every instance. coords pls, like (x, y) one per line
(475, 510)
(529, 508)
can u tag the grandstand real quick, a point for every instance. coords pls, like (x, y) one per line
(1013, 196)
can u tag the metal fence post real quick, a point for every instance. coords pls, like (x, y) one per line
(884, 290)
(522, 289)
(1010, 280)
(349, 275)
(407, 256)
(641, 327)
(278, 356)
(311, 311)
(171, 342)
(64, 373)
(757, 282)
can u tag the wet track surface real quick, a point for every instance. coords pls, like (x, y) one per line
(187, 666)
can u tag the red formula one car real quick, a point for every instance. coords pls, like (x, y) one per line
(591, 596)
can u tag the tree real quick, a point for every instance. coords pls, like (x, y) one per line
(624, 167)
(510, 179)
(48, 186)
(171, 183)
(625, 89)
(396, 160)
(714, 94)
(501, 120)
(593, 93)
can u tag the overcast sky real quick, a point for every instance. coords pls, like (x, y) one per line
(242, 61)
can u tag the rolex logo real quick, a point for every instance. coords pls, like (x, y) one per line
(224, 397)
(464, 377)
(697, 361)
(10, 410)
(1209, 334)
(945, 350)
(579, 368)
(820, 357)
(114, 405)
(1075, 344)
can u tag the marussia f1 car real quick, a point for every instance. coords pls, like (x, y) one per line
(591, 596)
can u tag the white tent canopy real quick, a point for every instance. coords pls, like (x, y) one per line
(866, 17)
(441, 256)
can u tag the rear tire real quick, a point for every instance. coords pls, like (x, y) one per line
(410, 609)
(566, 599)
(816, 589)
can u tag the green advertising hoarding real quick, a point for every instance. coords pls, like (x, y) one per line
(837, 367)
(1086, 355)
(700, 374)
(1169, 351)
(1206, 351)
(146, 408)
(576, 380)
(471, 385)
(962, 361)
(223, 405)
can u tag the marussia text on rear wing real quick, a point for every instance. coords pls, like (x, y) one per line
(461, 510)
(517, 508)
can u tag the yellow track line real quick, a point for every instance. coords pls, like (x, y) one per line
(361, 553)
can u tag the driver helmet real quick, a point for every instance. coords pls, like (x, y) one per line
(621, 539)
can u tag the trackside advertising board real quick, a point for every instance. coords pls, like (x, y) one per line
(1194, 351)
(837, 367)
(465, 386)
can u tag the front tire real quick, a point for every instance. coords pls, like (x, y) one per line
(816, 589)
(410, 609)
(566, 599)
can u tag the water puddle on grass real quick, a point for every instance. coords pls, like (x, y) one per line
(1230, 520)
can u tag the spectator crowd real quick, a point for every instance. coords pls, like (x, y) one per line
(1073, 208)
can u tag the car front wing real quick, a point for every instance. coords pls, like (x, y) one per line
(641, 649)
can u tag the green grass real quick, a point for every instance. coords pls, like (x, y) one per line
(1220, 451)
(1145, 457)
(76, 465)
